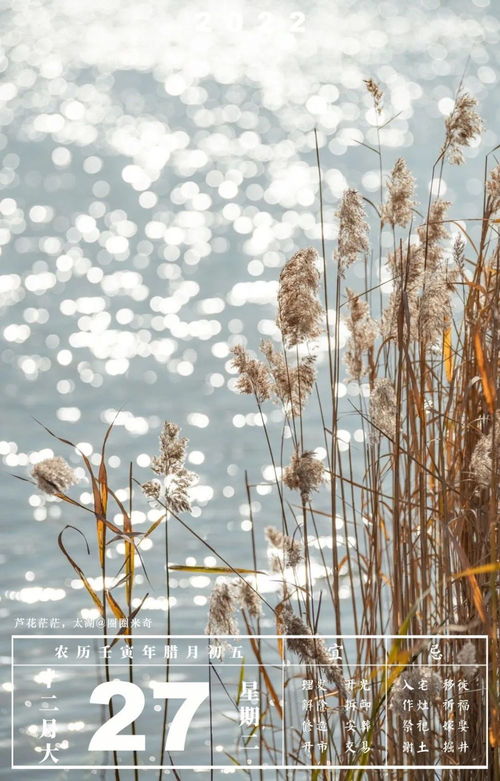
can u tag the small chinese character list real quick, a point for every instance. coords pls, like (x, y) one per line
(420, 703)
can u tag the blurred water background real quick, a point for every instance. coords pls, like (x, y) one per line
(156, 169)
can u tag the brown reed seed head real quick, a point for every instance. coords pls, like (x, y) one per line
(419, 684)
(172, 450)
(422, 282)
(462, 127)
(310, 649)
(254, 376)
(481, 463)
(435, 229)
(248, 597)
(53, 475)
(300, 313)
(493, 189)
(288, 552)
(376, 92)
(173, 490)
(383, 408)
(434, 313)
(221, 610)
(398, 208)
(466, 659)
(407, 268)
(353, 230)
(177, 491)
(459, 253)
(305, 474)
(152, 489)
(303, 377)
(291, 384)
(363, 332)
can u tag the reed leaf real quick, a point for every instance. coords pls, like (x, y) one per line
(77, 567)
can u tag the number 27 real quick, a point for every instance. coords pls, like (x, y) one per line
(108, 738)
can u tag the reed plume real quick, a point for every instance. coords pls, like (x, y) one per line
(363, 333)
(493, 190)
(353, 230)
(305, 474)
(247, 597)
(376, 92)
(398, 208)
(466, 660)
(481, 463)
(434, 313)
(53, 475)
(299, 309)
(383, 408)
(407, 273)
(173, 490)
(462, 127)
(432, 233)
(309, 648)
(254, 377)
(222, 609)
(291, 384)
(285, 552)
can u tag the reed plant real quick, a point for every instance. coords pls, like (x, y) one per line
(400, 539)
(418, 553)
(54, 476)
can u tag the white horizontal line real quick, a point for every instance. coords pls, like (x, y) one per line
(254, 767)
(269, 637)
